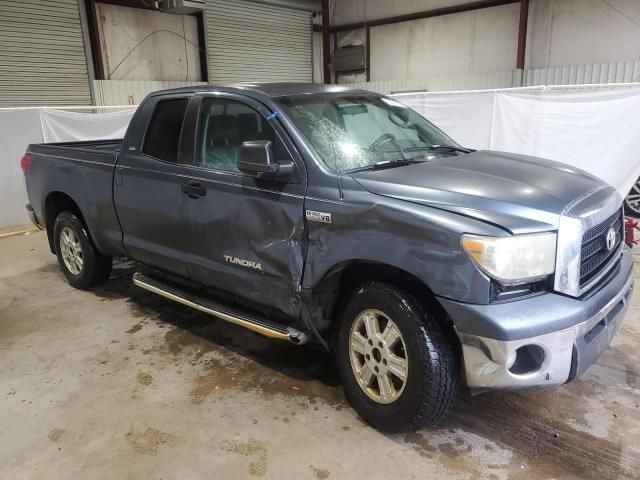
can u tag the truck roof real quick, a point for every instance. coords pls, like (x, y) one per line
(279, 89)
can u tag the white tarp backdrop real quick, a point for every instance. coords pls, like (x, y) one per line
(20, 127)
(61, 126)
(593, 128)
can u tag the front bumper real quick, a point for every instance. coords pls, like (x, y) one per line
(565, 334)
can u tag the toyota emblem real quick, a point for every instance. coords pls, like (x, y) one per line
(610, 239)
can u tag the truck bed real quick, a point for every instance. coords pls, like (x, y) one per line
(82, 171)
(102, 151)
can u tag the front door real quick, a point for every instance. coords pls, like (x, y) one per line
(246, 236)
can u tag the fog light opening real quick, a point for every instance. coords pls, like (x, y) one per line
(529, 358)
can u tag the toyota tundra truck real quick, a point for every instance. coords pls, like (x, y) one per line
(339, 217)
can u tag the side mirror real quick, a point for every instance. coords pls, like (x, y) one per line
(255, 158)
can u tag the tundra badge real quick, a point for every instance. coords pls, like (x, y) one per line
(242, 262)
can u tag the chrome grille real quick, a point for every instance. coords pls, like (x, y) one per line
(594, 254)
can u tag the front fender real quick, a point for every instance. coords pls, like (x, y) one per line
(422, 241)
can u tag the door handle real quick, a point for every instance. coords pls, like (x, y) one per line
(194, 189)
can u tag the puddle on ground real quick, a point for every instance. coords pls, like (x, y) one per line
(56, 435)
(534, 431)
(230, 358)
(254, 450)
(148, 441)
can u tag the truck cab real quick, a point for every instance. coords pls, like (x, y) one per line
(340, 217)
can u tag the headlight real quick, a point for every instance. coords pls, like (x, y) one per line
(513, 260)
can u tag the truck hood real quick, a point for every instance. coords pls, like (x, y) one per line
(518, 193)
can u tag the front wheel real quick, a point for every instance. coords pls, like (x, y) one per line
(399, 366)
(632, 201)
(80, 261)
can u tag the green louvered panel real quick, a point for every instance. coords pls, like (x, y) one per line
(42, 56)
(253, 42)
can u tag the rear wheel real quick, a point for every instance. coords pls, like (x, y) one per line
(80, 261)
(398, 365)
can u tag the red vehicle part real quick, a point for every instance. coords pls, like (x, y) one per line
(630, 226)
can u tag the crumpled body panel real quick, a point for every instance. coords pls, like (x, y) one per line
(249, 242)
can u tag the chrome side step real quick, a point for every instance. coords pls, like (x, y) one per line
(264, 327)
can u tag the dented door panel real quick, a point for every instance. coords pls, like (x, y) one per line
(248, 240)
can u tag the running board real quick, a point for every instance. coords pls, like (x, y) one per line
(264, 327)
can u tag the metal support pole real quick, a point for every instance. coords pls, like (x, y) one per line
(522, 33)
(326, 42)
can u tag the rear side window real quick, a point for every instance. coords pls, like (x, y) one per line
(163, 135)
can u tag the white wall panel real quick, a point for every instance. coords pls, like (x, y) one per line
(131, 92)
(600, 37)
(470, 42)
(142, 44)
(574, 32)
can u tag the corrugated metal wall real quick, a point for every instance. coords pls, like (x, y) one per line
(614, 72)
(598, 73)
(442, 83)
(251, 42)
(42, 56)
(131, 92)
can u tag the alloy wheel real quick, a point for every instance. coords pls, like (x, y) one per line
(633, 199)
(378, 356)
(71, 251)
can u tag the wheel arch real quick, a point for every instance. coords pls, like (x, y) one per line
(327, 298)
(55, 203)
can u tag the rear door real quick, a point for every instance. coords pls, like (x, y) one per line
(148, 186)
(246, 234)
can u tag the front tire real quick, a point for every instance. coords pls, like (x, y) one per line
(632, 201)
(398, 365)
(78, 258)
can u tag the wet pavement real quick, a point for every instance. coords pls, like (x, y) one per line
(121, 383)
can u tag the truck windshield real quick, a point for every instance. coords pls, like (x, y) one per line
(356, 132)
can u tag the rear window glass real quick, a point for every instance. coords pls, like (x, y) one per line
(163, 135)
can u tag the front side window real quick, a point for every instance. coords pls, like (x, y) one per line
(224, 124)
(358, 131)
(163, 135)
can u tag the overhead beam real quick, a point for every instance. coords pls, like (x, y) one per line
(145, 5)
(522, 34)
(436, 12)
(312, 6)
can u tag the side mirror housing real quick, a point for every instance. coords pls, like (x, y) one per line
(255, 158)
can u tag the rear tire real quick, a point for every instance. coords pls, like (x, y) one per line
(420, 350)
(80, 261)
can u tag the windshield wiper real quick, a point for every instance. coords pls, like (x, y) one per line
(451, 148)
(386, 164)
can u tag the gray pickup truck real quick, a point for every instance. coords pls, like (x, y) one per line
(344, 218)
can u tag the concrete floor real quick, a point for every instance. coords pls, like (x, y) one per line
(120, 383)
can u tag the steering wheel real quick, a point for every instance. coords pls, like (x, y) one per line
(382, 140)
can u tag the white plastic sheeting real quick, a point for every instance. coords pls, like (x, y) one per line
(61, 126)
(17, 130)
(593, 128)
(20, 127)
